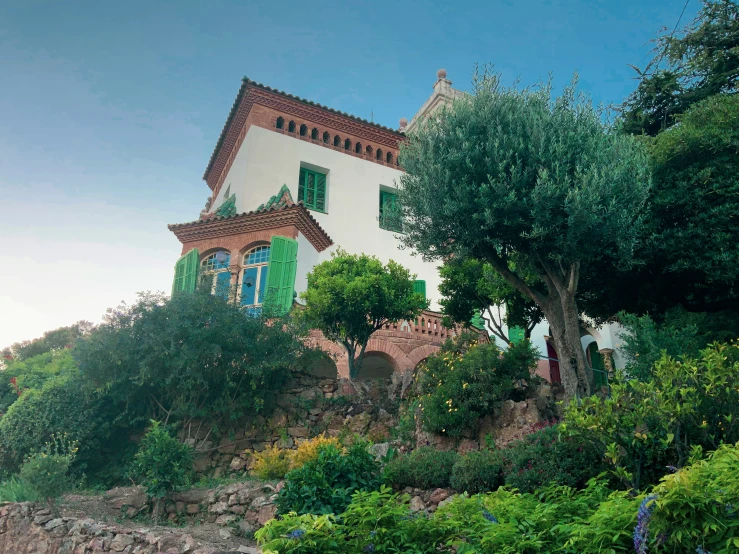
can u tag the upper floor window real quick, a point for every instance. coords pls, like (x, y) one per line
(391, 217)
(214, 273)
(254, 279)
(312, 189)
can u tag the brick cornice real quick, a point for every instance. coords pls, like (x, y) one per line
(295, 215)
(251, 93)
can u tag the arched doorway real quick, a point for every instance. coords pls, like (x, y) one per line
(324, 367)
(376, 365)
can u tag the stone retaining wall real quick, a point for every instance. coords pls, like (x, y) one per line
(29, 528)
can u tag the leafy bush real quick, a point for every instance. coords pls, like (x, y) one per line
(698, 505)
(33, 373)
(465, 381)
(477, 472)
(644, 427)
(162, 463)
(325, 485)
(308, 450)
(544, 457)
(424, 468)
(63, 405)
(17, 490)
(47, 471)
(191, 356)
(272, 463)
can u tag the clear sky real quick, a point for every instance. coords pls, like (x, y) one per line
(109, 111)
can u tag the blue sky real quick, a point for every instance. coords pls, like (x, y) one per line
(109, 111)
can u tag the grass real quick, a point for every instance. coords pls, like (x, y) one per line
(16, 490)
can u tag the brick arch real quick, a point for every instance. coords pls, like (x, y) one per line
(421, 353)
(399, 360)
(337, 352)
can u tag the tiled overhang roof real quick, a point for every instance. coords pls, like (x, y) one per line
(247, 83)
(214, 227)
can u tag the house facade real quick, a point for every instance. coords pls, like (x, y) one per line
(291, 181)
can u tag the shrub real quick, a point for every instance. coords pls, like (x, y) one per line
(162, 463)
(465, 381)
(325, 485)
(697, 506)
(645, 426)
(477, 472)
(47, 471)
(544, 457)
(271, 463)
(308, 450)
(424, 468)
(17, 490)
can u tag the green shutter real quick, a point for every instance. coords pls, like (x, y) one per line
(516, 334)
(301, 186)
(420, 286)
(186, 272)
(320, 192)
(281, 270)
(312, 189)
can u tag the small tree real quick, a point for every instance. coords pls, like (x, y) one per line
(349, 297)
(534, 187)
(163, 464)
(470, 287)
(47, 471)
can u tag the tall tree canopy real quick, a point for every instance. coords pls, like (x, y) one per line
(509, 174)
(701, 61)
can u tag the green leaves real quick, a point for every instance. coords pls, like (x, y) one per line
(349, 297)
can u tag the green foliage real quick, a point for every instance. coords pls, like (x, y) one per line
(697, 506)
(536, 187)
(63, 405)
(47, 471)
(51, 341)
(349, 297)
(466, 380)
(701, 61)
(645, 426)
(469, 286)
(162, 462)
(424, 468)
(17, 490)
(192, 356)
(326, 484)
(476, 472)
(544, 457)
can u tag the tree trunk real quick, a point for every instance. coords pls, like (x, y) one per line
(562, 315)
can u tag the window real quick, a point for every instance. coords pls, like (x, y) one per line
(347, 144)
(303, 130)
(214, 273)
(337, 140)
(291, 127)
(358, 148)
(314, 134)
(419, 286)
(280, 123)
(391, 217)
(389, 157)
(254, 279)
(312, 189)
(326, 137)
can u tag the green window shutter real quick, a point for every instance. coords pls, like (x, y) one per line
(281, 270)
(312, 189)
(420, 287)
(516, 334)
(186, 272)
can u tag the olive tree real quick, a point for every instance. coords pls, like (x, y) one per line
(510, 174)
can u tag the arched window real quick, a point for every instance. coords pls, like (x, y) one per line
(254, 279)
(337, 140)
(326, 137)
(280, 123)
(314, 134)
(369, 151)
(378, 156)
(303, 130)
(214, 273)
(389, 157)
(347, 144)
(358, 148)
(291, 127)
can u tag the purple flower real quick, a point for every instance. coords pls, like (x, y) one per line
(296, 534)
(490, 517)
(641, 531)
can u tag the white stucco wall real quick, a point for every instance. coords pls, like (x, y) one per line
(307, 258)
(267, 160)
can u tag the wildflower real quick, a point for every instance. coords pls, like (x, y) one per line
(296, 534)
(641, 531)
(490, 517)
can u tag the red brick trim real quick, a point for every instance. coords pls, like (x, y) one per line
(421, 353)
(296, 216)
(274, 104)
